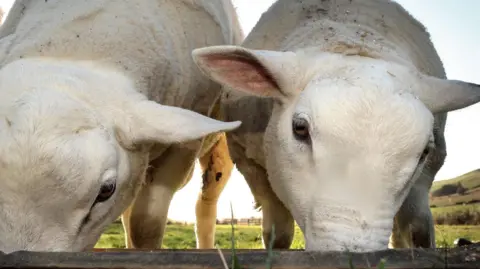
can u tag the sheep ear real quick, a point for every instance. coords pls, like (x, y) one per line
(443, 95)
(150, 122)
(262, 73)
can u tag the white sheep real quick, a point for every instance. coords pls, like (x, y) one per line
(91, 94)
(343, 107)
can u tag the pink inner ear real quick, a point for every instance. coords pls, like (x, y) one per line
(243, 73)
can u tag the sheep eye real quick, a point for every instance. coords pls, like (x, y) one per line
(425, 153)
(300, 129)
(106, 191)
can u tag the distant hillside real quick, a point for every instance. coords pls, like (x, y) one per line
(464, 189)
(470, 180)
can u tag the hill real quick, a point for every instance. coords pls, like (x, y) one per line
(456, 201)
(470, 180)
(461, 190)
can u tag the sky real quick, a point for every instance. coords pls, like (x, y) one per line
(455, 34)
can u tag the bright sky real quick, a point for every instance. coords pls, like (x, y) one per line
(455, 34)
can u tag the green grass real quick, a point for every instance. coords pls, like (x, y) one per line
(450, 200)
(250, 237)
(446, 234)
(436, 211)
(183, 237)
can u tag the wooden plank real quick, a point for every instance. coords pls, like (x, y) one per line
(463, 257)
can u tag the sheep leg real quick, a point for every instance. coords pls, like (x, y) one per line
(413, 225)
(148, 215)
(217, 167)
(274, 211)
(126, 226)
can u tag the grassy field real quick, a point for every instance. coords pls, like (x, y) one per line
(470, 197)
(249, 237)
(180, 236)
(437, 211)
(450, 209)
(457, 201)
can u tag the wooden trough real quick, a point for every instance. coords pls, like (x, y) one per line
(461, 257)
